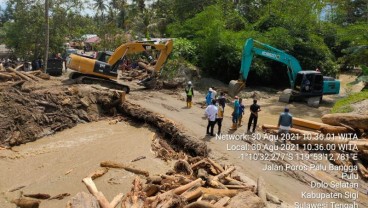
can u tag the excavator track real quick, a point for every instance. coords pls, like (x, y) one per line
(81, 79)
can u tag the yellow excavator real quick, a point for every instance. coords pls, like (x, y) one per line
(103, 69)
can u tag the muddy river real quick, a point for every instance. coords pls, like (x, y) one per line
(57, 164)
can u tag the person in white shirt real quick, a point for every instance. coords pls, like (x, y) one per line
(211, 113)
(213, 94)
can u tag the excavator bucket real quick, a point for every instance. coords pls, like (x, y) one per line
(285, 96)
(235, 86)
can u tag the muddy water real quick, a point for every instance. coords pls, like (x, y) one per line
(57, 164)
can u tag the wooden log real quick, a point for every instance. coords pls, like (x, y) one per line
(151, 189)
(199, 164)
(215, 183)
(224, 173)
(60, 196)
(38, 196)
(202, 173)
(149, 68)
(328, 129)
(177, 179)
(20, 74)
(220, 192)
(117, 199)
(362, 144)
(359, 121)
(5, 76)
(154, 179)
(179, 190)
(273, 199)
(266, 127)
(218, 167)
(32, 76)
(26, 203)
(94, 191)
(192, 194)
(16, 188)
(231, 181)
(112, 164)
(244, 188)
(182, 166)
(136, 197)
(307, 123)
(261, 189)
(362, 169)
(200, 204)
(98, 173)
(222, 202)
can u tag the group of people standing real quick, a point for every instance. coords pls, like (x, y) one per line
(216, 107)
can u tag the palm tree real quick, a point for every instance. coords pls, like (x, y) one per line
(100, 6)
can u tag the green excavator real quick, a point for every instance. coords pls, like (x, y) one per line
(309, 85)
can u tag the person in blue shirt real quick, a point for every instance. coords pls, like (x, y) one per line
(285, 122)
(235, 114)
(209, 97)
(241, 112)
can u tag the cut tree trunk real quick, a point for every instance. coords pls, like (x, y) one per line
(112, 164)
(266, 127)
(26, 203)
(328, 129)
(359, 121)
(94, 191)
(307, 123)
(20, 74)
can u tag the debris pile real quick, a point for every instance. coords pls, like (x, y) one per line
(29, 112)
(193, 182)
(14, 74)
(345, 130)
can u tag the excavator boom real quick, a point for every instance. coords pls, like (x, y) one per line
(319, 85)
(106, 66)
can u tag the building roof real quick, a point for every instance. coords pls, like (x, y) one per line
(93, 40)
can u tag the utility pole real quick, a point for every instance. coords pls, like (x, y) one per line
(47, 33)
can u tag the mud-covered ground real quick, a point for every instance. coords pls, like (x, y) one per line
(56, 164)
(32, 110)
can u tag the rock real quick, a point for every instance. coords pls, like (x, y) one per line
(246, 199)
(83, 200)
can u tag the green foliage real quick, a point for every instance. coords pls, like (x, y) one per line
(344, 105)
(183, 48)
(176, 67)
(24, 32)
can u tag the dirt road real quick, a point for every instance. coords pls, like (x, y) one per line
(193, 121)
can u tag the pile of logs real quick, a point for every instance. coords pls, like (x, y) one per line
(11, 74)
(339, 129)
(193, 182)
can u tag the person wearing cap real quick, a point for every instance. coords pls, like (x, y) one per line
(190, 93)
(253, 118)
(235, 114)
(209, 97)
(211, 113)
(285, 122)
